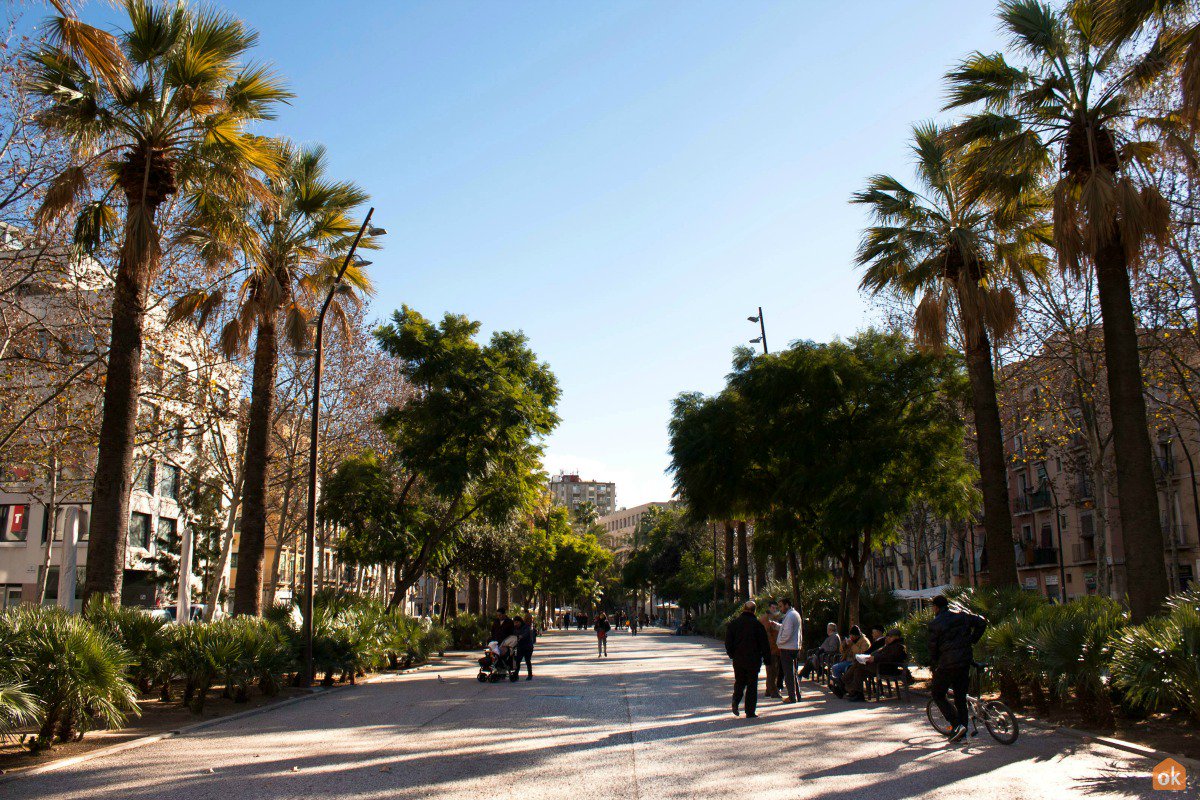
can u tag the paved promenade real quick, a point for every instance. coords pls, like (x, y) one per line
(651, 721)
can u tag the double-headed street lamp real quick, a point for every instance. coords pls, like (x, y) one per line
(310, 538)
(762, 327)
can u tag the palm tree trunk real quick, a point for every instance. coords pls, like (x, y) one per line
(743, 555)
(993, 474)
(118, 417)
(247, 597)
(473, 606)
(1141, 528)
(729, 561)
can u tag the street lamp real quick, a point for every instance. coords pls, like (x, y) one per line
(310, 538)
(762, 327)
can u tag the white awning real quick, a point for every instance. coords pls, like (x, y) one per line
(920, 594)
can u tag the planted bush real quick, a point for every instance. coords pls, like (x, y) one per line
(74, 670)
(1157, 664)
(144, 637)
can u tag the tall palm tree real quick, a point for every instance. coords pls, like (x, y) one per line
(962, 255)
(1070, 99)
(291, 242)
(159, 111)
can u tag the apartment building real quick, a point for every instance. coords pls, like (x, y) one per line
(571, 491)
(186, 424)
(620, 526)
(1062, 487)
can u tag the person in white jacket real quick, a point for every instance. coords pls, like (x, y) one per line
(789, 646)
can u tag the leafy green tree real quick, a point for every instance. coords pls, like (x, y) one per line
(961, 254)
(158, 112)
(1069, 103)
(292, 241)
(465, 448)
(710, 460)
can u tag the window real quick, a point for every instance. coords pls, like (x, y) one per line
(233, 560)
(178, 380)
(167, 528)
(10, 596)
(168, 482)
(173, 431)
(152, 366)
(64, 518)
(139, 530)
(1047, 540)
(14, 523)
(144, 476)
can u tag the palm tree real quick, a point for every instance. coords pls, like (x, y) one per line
(291, 242)
(158, 112)
(960, 254)
(1071, 99)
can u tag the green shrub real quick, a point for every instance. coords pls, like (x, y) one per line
(144, 637)
(76, 672)
(1157, 664)
(1070, 648)
(469, 631)
(915, 628)
(206, 652)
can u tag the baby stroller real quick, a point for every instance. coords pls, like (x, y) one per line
(500, 661)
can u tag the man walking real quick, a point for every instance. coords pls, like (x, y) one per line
(747, 646)
(952, 637)
(789, 646)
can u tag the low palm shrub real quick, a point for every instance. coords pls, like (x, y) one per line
(1069, 647)
(74, 670)
(206, 653)
(1157, 664)
(144, 637)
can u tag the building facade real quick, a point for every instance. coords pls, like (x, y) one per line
(571, 491)
(1062, 488)
(620, 526)
(187, 422)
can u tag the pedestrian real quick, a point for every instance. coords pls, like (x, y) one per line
(788, 640)
(602, 628)
(952, 638)
(502, 625)
(747, 645)
(771, 627)
(633, 624)
(526, 638)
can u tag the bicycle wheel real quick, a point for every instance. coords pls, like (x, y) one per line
(1001, 723)
(937, 719)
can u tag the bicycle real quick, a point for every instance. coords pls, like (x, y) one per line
(1000, 722)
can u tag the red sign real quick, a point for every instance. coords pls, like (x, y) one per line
(18, 517)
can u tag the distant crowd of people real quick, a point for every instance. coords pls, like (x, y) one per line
(774, 639)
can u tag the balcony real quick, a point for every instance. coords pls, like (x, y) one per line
(1031, 501)
(1083, 552)
(1164, 468)
(1178, 535)
(1083, 489)
(1037, 557)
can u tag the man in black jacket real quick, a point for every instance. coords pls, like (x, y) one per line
(952, 637)
(747, 646)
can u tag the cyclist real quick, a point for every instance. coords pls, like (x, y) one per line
(952, 635)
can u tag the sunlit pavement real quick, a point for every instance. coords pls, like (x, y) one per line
(650, 721)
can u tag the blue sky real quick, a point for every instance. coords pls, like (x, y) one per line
(623, 181)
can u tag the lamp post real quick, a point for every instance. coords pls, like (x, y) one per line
(310, 536)
(762, 327)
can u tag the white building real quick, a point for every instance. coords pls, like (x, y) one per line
(620, 526)
(187, 419)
